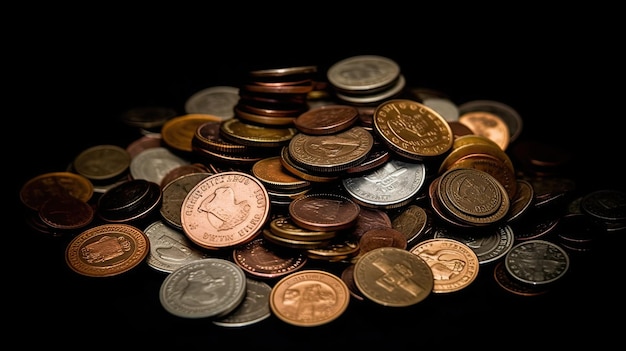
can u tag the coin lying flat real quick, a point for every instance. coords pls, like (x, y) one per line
(225, 209)
(39, 189)
(211, 287)
(254, 308)
(394, 277)
(309, 298)
(107, 250)
(169, 248)
(537, 262)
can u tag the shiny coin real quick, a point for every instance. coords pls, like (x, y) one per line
(324, 212)
(454, 265)
(178, 132)
(169, 248)
(391, 276)
(155, 163)
(225, 209)
(262, 259)
(309, 298)
(107, 250)
(211, 287)
(489, 244)
(217, 100)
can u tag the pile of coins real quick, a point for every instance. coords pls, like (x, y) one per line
(372, 195)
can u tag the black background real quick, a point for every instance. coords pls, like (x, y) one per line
(68, 84)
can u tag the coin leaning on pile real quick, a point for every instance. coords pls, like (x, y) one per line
(287, 187)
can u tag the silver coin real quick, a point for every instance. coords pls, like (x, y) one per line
(154, 163)
(169, 248)
(254, 308)
(365, 72)
(210, 287)
(219, 101)
(392, 185)
(174, 194)
(537, 262)
(489, 245)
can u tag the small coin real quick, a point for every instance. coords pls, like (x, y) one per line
(309, 298)
(210, 287)
(391, 276)
(107, 250)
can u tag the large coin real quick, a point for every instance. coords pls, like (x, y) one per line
(225, 209)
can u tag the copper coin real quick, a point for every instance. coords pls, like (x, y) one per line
(178, 132)
(489, 125)
(264, 260)
(391, 276)
(324, 212)
(66, 212)
(327, 119)
(107, 250)
(39, 189)
(309, 298)
(382, 237)
(370, 218)
(454, 264)
(225, 209)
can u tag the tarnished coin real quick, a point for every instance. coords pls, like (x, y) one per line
(155, 163)
(489, 244)
(309, 298)
(210, 287)
(102, 162)
(506, 282)
(412, 130)
(331, 153)
(39, 189)
(324, 212)
(225, 209)
(66, 212)
(262, 259)
(174, 194)
(391, 276)
(107, 250)
(454, 264)
(254, 308)
(412, 222)
(169, 248)
(537, 262)
(216, 100)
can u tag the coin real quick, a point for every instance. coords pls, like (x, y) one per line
(394, 277)
(102, 162)
(107, 250)
(210, 287)
(216, 100)
(537, 262)
(454, 264)
(254, 308)
(169, 248)
(309, 298)
(39, 189)
(225, 209)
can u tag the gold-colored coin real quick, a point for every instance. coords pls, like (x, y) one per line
(412, 129)
(391, 276)
(39, 189)
(309, 298)
(179, 132)
(454, 265)
(489, 125)
(107, 250)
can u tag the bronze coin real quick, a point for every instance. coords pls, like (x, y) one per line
(39, 189)
(225, 209)
(382, 237)
(327, 119)
(324, 212)
(107, 250)
(264, 260)
(66, 212)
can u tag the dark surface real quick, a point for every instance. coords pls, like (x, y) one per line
(70, 100)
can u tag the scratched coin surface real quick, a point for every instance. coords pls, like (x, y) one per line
(225, 209)
(107, 250)
(309, 298)
(391, 276)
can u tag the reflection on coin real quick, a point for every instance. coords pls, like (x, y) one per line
(254, 308)
(225, 209)
(107, 250)
(211, 287)
(454, 264)
(309, 298)
(169, 248)
(155, 163)
(489, 244)
(391, 276)
(39, 189)
(537, 262)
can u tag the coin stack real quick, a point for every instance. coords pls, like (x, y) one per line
(365, 79)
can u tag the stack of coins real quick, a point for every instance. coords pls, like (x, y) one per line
(130, 201)
(366, 79)
(275, 96)
(282, 186)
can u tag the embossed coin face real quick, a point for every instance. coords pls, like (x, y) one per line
(454, 264)
(537, 262)
(309, 298)
(39, 189)
(254, 308)
(107, 250)
(264, 260)
(211, 287)
(412, 129)
(225, 209)
(324, 212)
(169, 248)
(102, 162)
(394, 277)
